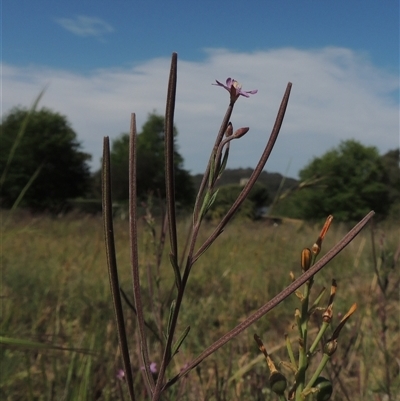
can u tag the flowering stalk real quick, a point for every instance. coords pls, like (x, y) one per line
(308, 259)
(302, 389)
(197, 217)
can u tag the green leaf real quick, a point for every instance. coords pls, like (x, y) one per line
(224, 162)
(182, 337)
(208, 202)
(20, 343)
(212, 199)
(178, 278)
(211, 174)
(171, 313)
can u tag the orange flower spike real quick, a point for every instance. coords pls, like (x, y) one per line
(316, 249)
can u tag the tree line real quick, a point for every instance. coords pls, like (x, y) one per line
(43, 167)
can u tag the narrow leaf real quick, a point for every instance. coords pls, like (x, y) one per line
(208, 202)
(169, 331)
(20, 343)
(19, 136)
(212, 200)
(171, 313)
(178, 278)
(212, 172)
(180, 340)
(224, 162)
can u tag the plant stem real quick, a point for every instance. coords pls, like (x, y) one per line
(134, 252)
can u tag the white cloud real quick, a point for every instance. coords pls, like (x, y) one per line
(85, 26)
(337, 94)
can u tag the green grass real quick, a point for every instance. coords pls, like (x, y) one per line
(55, 290)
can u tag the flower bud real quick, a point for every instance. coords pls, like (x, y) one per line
(292, 277)
(120, 374)
(326, 226)
(324, 387)
(330, 347)
(229, 130)
(305, 259)
(327, 315)
(316, 248)
(240, 132)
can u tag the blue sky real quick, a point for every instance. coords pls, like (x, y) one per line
(105, 59)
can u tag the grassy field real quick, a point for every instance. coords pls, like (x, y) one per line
(55, 291)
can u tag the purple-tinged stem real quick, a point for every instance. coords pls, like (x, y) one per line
(112, 266)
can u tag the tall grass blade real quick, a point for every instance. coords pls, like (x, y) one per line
(19, 136)
(27, 344)
(26, 187)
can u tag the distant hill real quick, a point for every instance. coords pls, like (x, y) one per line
(271, 180)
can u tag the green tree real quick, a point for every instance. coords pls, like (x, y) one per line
(47, 154)
(391, 161)
(354, 181)
(150, 165)
(250, 208)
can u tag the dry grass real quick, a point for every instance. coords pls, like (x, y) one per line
(55, 290)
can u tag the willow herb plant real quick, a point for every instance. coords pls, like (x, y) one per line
(182, 261)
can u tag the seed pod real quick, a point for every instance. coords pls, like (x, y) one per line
(324, 387)
(277, 382)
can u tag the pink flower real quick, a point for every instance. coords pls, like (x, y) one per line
(120, 374)
(235, 89)
(184, 367)
(153, 367)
